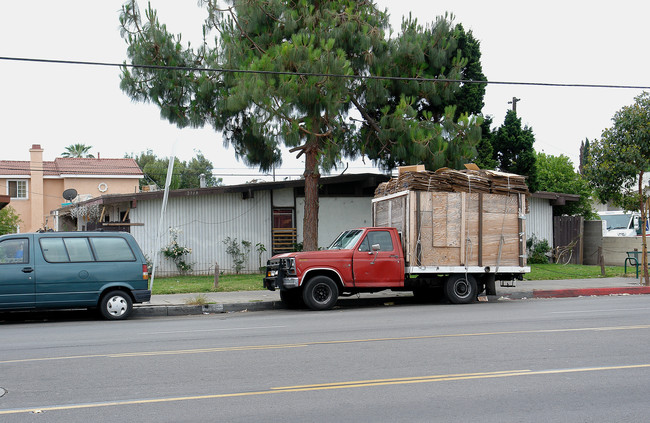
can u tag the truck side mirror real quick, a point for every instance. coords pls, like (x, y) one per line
(375, 249)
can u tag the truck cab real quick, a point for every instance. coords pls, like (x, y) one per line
(621, 223)
(358, 260)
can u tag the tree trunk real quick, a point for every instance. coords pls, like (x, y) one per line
(644, 251)
(310, 222)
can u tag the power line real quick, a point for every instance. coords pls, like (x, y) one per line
(328, 75)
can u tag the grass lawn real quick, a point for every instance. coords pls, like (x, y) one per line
(539, 272)
(253, 282)
(194, 284)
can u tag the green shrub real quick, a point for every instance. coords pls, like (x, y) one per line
(238, 252)
(538, 251)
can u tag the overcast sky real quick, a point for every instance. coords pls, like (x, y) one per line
(53, 105)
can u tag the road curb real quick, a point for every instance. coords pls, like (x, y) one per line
(586, 292)
(146, 310)
(151, 310)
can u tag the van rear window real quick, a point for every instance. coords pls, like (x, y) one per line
(112, 249)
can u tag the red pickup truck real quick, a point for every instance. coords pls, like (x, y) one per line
(366, 260)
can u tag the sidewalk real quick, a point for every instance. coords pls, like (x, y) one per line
(243, 301)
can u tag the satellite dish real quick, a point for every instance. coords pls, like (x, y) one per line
(69, 194)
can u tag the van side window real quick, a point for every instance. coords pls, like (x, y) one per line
(14, 251)
(78, 249)
(53, 250)
(111, 249)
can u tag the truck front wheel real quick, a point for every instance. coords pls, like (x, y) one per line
(320, 293)
(461, 289)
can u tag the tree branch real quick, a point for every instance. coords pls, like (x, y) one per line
(365, 114)
(241, 30)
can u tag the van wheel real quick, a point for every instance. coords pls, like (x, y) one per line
(320, 293)
(461, 289)
(116, 305)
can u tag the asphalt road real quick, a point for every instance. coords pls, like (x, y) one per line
(560, 360)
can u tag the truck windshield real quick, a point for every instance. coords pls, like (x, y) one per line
(617, 221)
(346, 241)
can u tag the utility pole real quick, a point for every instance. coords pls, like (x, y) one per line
(514, 103)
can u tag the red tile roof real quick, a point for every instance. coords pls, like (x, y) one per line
(83, 166)
(74, 166)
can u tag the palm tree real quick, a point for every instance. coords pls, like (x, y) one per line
(78, 150)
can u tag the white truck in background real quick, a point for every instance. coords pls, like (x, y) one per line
(621, 223)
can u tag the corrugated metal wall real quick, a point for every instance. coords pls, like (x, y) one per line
(539, 221)
(205, 222)
(336, 214)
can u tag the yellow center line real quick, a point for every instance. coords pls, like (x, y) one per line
(400, 379)
(315, 343)
(327, 386)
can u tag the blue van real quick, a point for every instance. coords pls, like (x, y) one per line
(103, 270)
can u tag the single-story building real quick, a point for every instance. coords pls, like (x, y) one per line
(539, 220)
(267, 215)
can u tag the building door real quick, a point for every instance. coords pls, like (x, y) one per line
(284, 231)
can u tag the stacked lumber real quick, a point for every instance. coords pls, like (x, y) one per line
(449, 180)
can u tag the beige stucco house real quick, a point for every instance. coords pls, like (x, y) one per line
(35, 187)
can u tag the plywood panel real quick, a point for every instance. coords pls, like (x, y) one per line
(495, 227)
(446, 219)
(495, 203)
(471, 232)
(441, 256)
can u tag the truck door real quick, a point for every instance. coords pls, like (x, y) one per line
(378, 268)
(17, 274)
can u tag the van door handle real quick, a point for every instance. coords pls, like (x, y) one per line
(28, 269)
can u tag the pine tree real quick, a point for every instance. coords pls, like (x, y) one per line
(584, 154)
(485, 152)
(295, 103)
(513, 149)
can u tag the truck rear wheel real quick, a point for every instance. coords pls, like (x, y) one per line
(320, 293)
(461, 289)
